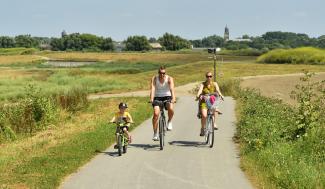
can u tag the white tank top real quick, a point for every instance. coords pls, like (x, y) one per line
(162, 89)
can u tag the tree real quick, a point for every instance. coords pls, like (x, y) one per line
(137, 43)
(212, 41)
(107, 44)
(173, 43)
(57, 44)
(26, 41)
(321, 41)
(152, 40)
(72, 42)
(6, 42)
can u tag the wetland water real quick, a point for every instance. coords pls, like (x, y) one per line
(67, 63)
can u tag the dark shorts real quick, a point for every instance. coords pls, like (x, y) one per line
(157, 99)
(122, 127)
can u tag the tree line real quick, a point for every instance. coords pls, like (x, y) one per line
(90, 42)
(268, 41)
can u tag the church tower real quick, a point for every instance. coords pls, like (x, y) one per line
(226, 35)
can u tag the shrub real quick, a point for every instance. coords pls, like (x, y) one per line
(286, 144)
(305, 55)
(72, 100)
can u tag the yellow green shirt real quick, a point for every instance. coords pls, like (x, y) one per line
(119, 118)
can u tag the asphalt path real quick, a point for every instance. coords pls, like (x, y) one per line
(185, 162)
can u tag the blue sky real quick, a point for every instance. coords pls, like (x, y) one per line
(191, 19)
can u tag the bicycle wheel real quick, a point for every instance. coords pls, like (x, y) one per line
(206, 129)
(119, 144)
(161, 132)
(125, 144)
(211, 133)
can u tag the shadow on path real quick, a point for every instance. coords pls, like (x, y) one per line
(198, 144)
(148, 147)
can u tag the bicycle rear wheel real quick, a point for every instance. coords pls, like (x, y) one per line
(206, 130)
(162, 132)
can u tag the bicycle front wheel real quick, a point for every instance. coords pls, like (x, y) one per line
(206, 130)
(162, 124)
(211, 133)
(119, 144)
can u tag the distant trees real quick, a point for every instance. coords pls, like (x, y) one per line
(82, 42)
(6, 42)
(90, 42)
(268, 41)
(26, 41)
(137, 43)
(174, 42)
(321, 41)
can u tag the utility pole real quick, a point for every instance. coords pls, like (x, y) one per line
(214, 51)
(214, 66)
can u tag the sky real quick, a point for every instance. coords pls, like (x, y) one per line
(190, 19)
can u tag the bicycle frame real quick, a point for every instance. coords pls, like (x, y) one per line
(162, 123)
(122, 141)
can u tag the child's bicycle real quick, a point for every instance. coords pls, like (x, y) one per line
(122, 139)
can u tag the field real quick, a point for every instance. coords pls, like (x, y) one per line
(117, 72)
(277, 86)
(38, 155)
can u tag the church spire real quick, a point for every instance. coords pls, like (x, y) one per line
(226, 34)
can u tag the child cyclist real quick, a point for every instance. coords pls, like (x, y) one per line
(123, 119)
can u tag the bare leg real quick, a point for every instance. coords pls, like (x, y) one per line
(156, 111)
(170, 109)
(204, 114)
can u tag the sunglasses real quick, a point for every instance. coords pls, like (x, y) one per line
(162, 73)
(208, 76)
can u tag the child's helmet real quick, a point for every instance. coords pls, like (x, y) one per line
(122, 105)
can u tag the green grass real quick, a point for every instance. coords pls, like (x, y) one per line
(305, 55)
(17, 51)
(272, 152)
(44, 160)
(122, 76)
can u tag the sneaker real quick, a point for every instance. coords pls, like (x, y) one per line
(202, 132)
(155, 137)
(169, 126)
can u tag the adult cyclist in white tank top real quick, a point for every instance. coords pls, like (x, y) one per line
(162, 88)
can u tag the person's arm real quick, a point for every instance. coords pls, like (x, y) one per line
(199, 92)
(130, 118)
(172, 89)
(218, 90)
(152, 89)
(113, 119)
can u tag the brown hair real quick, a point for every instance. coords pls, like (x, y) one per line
(161, 68)
(208, 73)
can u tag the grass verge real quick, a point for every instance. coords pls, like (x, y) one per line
(282, 147)
(42, 161)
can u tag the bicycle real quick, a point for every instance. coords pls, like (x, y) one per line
(209, 126)
(122, 139)
(162, 125)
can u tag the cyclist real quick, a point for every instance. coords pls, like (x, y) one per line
(161, 89)
(123, 119)
(207, 87)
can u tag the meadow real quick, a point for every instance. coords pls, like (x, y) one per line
(59, 122)
(281, 145)
(303, 55)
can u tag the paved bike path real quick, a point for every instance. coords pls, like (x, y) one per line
(184, 163)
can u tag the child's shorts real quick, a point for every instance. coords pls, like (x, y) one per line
(122, 127)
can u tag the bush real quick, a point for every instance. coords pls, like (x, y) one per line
(286, 144)
(73, 100)
(306, 55)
